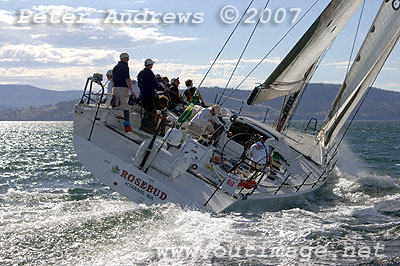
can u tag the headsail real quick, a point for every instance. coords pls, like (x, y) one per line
(377, 46)
(293, 72)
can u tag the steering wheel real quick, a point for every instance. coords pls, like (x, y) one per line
(244, 156)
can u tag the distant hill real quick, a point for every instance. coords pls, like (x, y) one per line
(62, 111)
(380, 105)
(20, 96)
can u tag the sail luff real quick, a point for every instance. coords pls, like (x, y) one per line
(374, 52)
(291, 73)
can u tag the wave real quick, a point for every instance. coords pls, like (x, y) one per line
(355, 176)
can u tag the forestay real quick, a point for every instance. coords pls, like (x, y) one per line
(376, 48)
(293, 72)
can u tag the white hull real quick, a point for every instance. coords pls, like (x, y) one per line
(110, 157)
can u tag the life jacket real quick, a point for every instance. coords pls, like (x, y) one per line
(247, 184)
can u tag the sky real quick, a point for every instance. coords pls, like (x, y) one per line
(38, 48)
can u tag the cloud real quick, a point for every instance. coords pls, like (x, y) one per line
(338, 65)
(61, 78)
(60, 9)
(152, 35)
(92, 33)
(73, 77)
(340, 82)
(391, 85)
(6, 17)
(343, 63)
(46, 53)
(274, 61)
(61, 58)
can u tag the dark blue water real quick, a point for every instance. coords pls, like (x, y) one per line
(52, 211)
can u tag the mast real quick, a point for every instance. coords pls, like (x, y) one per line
(291, 102)
(376, 48)
(293, 73)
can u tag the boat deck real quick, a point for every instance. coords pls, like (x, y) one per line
(305, 143)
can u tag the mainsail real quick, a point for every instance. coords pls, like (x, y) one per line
(377, 46)
(294, 71)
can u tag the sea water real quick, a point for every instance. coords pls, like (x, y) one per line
(53, 211)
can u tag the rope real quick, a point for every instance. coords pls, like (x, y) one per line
(257, 105)
(226, 42)
(244, 50)
(355, 114)
(351, 54)
(273, 48)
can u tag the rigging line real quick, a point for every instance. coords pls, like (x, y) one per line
(351, 55)
(257, 105)
(273, 48)
(354, 116)
(355, 40)
(244, 50)
(226, 42)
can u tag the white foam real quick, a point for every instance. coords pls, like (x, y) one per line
(352, 171)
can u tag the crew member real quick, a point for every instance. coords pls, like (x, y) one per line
(204, 120)
(162, 87)
(189, 92)
(166, 81)
(109, 84)
(122, 85)
(148, 86)
(260, 154)
(177, 104)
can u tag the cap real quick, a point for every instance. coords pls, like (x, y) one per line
(109, 73)
(217, 109)
(124, 55)
(174, 79)
(148, 62)
(158, 76)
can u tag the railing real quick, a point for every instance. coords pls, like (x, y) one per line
(297, 187)
(90, 80)
(88, 95)
(314, 129)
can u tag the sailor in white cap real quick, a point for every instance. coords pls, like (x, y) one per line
(109, 82)
(148, 86)
(149, 63)
(203, 120)
(109, 85)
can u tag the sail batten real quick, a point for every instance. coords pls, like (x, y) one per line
(292, 73)
(375, 50)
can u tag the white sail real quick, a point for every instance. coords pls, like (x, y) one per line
(293, 72)
(376, 48)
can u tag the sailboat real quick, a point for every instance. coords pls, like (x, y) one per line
(218, 174)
